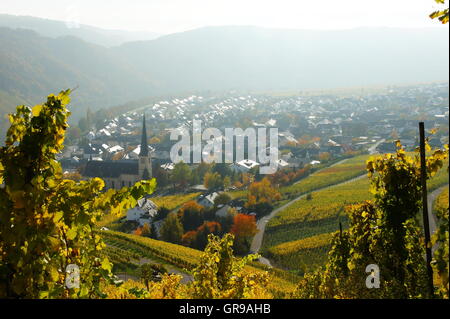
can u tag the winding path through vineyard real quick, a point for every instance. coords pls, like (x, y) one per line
(261, 224)
(431, 217)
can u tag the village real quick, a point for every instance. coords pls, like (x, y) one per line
(313, 130)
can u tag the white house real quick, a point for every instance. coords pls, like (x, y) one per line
(243, 166)
(207, 200)
(143, 212)
(168, 166)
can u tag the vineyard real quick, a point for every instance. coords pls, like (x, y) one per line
(441, 202)
(441, 178)
(303, 255)
(333, 175)
(126, 249)
(289, 235)
(318, 215)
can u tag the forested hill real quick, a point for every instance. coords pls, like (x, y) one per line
(215, 58)
(54, 29)
(32, 66)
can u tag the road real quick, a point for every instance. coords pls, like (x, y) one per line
(373, 148)
(261, 224)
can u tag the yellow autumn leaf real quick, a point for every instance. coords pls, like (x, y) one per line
(36, 110)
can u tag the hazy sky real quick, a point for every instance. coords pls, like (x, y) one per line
(167, 16)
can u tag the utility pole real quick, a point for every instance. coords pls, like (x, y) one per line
(426, 223)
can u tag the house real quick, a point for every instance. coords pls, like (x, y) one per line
(285, 138)
(243, 166)
(135, 153)
(282, 164)
(207, 200)
(143, 212)
(168, 166)
(223, 211)
(90, 151)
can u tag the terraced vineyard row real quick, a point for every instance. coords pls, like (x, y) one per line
(123, 260)
(441, 201)
(181, 257)
(303, 255)
(325, 204)
(333, 175)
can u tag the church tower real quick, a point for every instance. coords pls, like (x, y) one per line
(145, 160)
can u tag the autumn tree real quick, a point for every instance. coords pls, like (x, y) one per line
(441, 14)
(138, 231)
(261, 196)
(162, 177)
(228, 220)
(172, 229)
(222, 199)
(149, 272)
(189, 238)
(202, 169)
(441, 239)
(223, 169)
(244, 228)
(146, 230)
(207, 228)
(191, 215)
(324, 156)
(47, 222)
(181, 175)
(213, 181)
(220, 274)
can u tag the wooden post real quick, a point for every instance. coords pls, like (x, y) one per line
(426, 224)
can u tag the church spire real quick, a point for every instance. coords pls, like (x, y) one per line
(144, 145)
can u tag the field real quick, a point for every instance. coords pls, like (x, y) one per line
(132, 247)
(173, 201)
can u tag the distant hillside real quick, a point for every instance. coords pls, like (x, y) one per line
(32, 66)
(217, 59)
(221, 58)
(54, 29)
